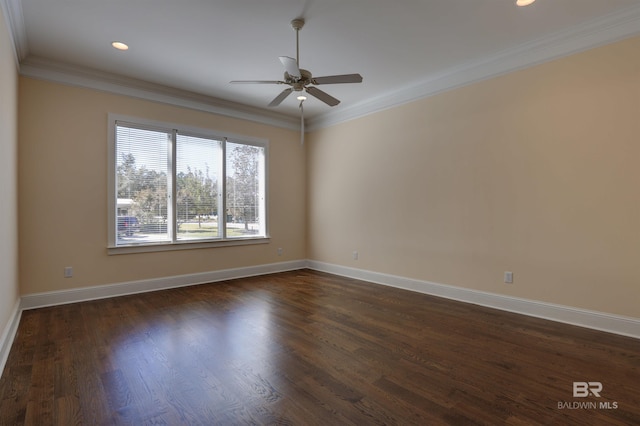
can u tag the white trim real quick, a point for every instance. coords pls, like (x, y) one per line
(9, 335)
(616, 324)
(607, 29)
(12, 11)
(610, 323)
(186, 245)
(72, 75)
(41, 300)
(114, 120)
(168, 126)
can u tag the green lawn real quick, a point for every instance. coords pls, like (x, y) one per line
(208, 230)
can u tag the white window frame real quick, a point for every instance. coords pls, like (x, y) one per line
(175, 243)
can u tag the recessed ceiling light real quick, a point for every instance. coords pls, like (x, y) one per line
(524, 2)
(120, 45)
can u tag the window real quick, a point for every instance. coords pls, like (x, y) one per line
(171, 185)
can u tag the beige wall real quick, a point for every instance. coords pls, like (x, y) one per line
(535, 172)
(8, 177)
(63, 191)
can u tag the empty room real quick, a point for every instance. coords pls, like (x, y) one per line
(305, 212)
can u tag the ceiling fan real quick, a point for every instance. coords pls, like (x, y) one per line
(300, 79)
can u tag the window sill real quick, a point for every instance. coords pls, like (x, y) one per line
(187, 245)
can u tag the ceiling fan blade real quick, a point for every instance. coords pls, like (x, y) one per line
(323, 96)
(256, 82)
(335, 79)
(291, 66)
(281, 97)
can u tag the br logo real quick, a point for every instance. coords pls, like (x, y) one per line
(584, 389)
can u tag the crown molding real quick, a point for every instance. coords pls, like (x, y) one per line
(72, 75)
(607, 29)
(12, 11)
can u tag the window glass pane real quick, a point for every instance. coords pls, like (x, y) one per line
(173, 187)
(141, 184)
(245, 190)
(198, 172)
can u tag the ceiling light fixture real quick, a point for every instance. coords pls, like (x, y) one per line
(302, 98)
(120, 45)
(524, 2)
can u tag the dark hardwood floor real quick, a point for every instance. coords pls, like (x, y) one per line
(307, 348)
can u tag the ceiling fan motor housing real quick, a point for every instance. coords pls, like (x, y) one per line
(298, 83)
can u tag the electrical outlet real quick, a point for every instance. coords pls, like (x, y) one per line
(508, 277)
(68, 271)
(355, 255)
(280, 251)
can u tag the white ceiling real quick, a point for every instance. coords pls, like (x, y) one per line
(404, 49)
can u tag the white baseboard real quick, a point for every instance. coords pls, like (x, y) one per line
(625, 326)
(610, 323)
(9, 334)
(40, 300)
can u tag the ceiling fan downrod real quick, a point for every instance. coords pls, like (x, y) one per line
(297, 25)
